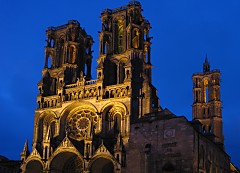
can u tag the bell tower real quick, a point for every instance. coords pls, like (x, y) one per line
(207, 105)
(125, 51)
(67, 57)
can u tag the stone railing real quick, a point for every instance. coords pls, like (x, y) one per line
(87, 90)
(81, 83)
(115, 91)
(50, 101)
(81, 90)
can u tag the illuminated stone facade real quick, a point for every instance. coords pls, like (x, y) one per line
(207, 106)
(113, 124)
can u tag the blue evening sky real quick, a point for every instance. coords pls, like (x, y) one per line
(184, 32)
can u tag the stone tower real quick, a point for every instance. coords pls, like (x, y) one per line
(83, 125)
(207, 105)
(125, 50)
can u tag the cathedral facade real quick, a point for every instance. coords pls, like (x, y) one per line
(115, 124)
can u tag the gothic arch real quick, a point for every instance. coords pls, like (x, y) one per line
(110, 64)
(115, 104)
(34, 165)
(103, 158)
(114, 118)
(106, 43)
(121, 71)
(206, 87)
(102, 165)
(65, 159)
(74, 108)
(77, 105)
(60, 49)
(119, 34)
(46, 84)
(35, 159)
(49, 61)
(44, 120)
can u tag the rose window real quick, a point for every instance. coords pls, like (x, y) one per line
(80, 123)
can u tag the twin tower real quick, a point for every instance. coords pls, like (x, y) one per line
(83, 125)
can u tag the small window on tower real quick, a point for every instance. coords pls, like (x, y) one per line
(205, 91)
(120, 36)
(49, 62)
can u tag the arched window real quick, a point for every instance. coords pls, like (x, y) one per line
(61, 51)
(49, 62)
(110, 72)
(145, 34)
(112, 122)
(205, 91)
(117, 122)
(120, 35)
(104, 48)
(121, 72)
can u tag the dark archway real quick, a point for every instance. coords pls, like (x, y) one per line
(34, 166)
(110, 72)
(102, 165)
(66, 162)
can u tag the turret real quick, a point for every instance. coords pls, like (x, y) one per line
(207, 105)
(25, 153)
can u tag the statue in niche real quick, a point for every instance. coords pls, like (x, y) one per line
(81, 76)
(127, 75)
(135, 40)
(99, 76)
(73, 55)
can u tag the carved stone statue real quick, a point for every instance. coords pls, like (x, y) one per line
(135, 40)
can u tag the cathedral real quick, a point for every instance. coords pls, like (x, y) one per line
(114, 123)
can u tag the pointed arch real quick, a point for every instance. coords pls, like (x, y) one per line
(76, 108)
(34, 165)
(103, 161)
(44, 121)
(66, 160)
(114, 118)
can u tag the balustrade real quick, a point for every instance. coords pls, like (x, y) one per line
(88, 90)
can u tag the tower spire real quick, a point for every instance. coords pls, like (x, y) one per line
(206, 92)
(206, 65)
(25, 151)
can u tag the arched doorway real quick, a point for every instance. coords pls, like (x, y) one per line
(66, 162)
(34, 166)
(102, 165)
